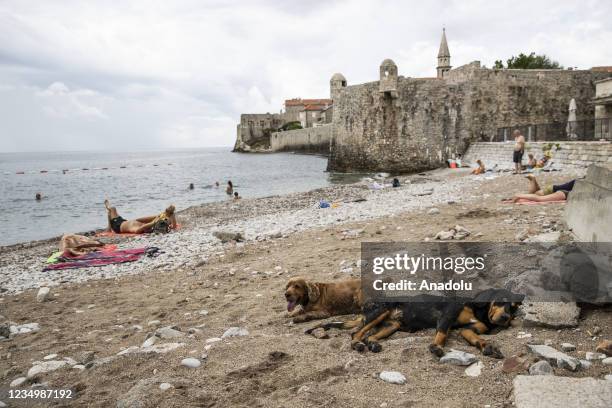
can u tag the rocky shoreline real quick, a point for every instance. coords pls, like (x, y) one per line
(257, 219)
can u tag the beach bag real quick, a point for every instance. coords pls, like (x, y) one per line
(396, 182)
(323, 204)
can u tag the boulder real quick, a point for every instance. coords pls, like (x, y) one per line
(548, 314)
(45, 367)
(547, 391)
(168, 332)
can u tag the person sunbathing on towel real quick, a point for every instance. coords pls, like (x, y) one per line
(119, 225)
(550, 193)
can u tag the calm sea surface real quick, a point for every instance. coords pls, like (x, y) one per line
(138, 184)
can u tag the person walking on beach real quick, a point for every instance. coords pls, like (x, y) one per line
(519, 149)
(230, 188)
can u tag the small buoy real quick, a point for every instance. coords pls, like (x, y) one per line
(122, 167)
(104, 168)
(43, 171)
(20, 172)
(85, 169)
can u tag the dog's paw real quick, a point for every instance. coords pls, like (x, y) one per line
(492, 350)
(299, 319)
(358, 346)
(436, 350)
(374, 347)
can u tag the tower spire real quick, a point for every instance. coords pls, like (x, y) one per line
(443, 56)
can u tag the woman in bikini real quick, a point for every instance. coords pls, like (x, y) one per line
(120, 225)
(550, 193)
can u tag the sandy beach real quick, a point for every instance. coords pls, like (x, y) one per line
(97, 319)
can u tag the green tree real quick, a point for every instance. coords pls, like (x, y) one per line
(531, 61)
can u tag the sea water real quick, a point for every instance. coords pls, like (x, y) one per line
(75, 184)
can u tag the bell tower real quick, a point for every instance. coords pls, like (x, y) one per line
(443, 57)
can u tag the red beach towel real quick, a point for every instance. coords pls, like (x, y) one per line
(102, 258)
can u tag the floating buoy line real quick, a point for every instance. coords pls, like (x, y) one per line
(67, 171)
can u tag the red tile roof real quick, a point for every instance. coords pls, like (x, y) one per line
(304, 102)
(602, 69)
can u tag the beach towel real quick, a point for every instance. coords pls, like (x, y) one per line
(522, 201)
(101, 258)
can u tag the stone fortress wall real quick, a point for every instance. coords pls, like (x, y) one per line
(400, 124)
(314, 140)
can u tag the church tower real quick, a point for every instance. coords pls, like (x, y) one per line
(443, 57)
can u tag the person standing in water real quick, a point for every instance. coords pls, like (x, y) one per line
(230, 188)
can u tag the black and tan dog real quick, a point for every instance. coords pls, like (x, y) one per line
(472, 317)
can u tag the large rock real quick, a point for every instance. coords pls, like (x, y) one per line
(555, 357)
(168, 332)
(458, 357)
(555, 315)
(587, 211)
(545, 391)
(46, 367)
(393, 377)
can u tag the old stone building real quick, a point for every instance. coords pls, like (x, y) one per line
(403, 124)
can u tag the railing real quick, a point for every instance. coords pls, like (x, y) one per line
(581, 130)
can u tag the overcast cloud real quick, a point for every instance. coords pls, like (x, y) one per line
(80, 75)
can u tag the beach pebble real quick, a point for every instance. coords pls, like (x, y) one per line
(585, 365)
(608, 377)
(154, 323)
(150, 341)
(541, 368)
(46, 367)
(85, 357)
(165, 386)
(590, 356)
(393, 377)
(568, 347)
(17, 382)
(607, 361)
(474, 370)
(213, 340)
(433, 211)
(50, 357)
(203, 312)
(235, 332)
(191, 362)
(43, 294)
(458, 357)
(168, 332)
(79, 367)
(24, 328)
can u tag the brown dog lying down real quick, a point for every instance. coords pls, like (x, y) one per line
(321, 300)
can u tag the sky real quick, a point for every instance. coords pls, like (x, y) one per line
(151, 75)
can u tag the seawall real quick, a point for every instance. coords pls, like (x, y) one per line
(310, 140)
(575, 154)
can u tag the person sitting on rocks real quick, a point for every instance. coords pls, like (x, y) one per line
(120, 225)
(480, 169)
(552, 192)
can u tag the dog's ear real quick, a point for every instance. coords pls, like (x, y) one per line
(313, 292)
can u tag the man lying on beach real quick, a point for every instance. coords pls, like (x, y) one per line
(549, 193)
(120, 225)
